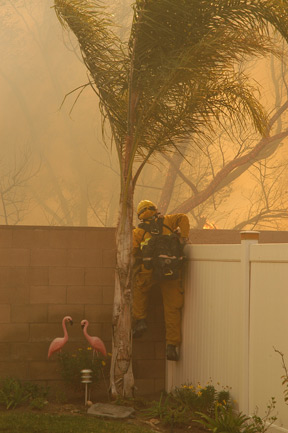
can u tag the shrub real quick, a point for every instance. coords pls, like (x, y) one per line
(14, 393)
(180, 406)
(225, 419)
(196, 398)
(38, 403)
(71, 365)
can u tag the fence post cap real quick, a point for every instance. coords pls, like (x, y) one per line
(249, 235)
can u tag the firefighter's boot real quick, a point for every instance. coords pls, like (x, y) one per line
(171, 353)
(139, 328)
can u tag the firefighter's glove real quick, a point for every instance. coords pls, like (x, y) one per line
(184, 241)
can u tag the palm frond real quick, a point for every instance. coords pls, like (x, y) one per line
(103, 55)
(178, 74)
(180, 50)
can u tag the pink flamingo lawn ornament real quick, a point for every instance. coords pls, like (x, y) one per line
(59, 342)
(95, 342)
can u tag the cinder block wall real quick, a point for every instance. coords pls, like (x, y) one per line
(49, 272)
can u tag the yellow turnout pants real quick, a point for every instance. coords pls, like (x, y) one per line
(173, 296)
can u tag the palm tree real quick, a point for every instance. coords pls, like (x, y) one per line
(175, 79)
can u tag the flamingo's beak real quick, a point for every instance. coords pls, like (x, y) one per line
(71, 322)
(82, 326)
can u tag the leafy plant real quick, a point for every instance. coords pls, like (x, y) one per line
(196, 397)
(38, 403)
(226, 420)
(14, 393)
(224, 398)
(180, 406)
(34, 391)
(71, 365)
(263, 424)
(168, 410)
(284, 377)
(157, 408)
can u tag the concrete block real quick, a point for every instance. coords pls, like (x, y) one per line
(17, 276)
(5, 313)
(160, 350)
(5, 351)
(29, 351)
(107, 331)
(144, 387)
(109, 258)
(100, 237)
(29, 313)
(6, 237)
(95, 329)
(38, 276)
(4, 277)
(84, 295)
(14, 276)
(46, 332)
(22, 238)
(66, 275)
(48, 370)
(84, 257)
(154, 333)
(99, 276)
(143, 350)
(49, 295)
(48, 257)
(14, 295)
(67, 237)
(108, 295)
(148, 369)
(16, 370)
(57, 312)
(98, 313)
(30, 237)
(76, 333)
(14, 257)
(41, 237)
(14, 332)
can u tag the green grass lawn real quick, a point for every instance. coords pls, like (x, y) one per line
(21, 422)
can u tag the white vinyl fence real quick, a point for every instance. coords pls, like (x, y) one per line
(235, 314)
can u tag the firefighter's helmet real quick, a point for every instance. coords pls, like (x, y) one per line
(145, 205)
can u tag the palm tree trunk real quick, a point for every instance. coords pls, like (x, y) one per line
(121, 374)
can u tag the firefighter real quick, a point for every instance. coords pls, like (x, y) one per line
(172, 291)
